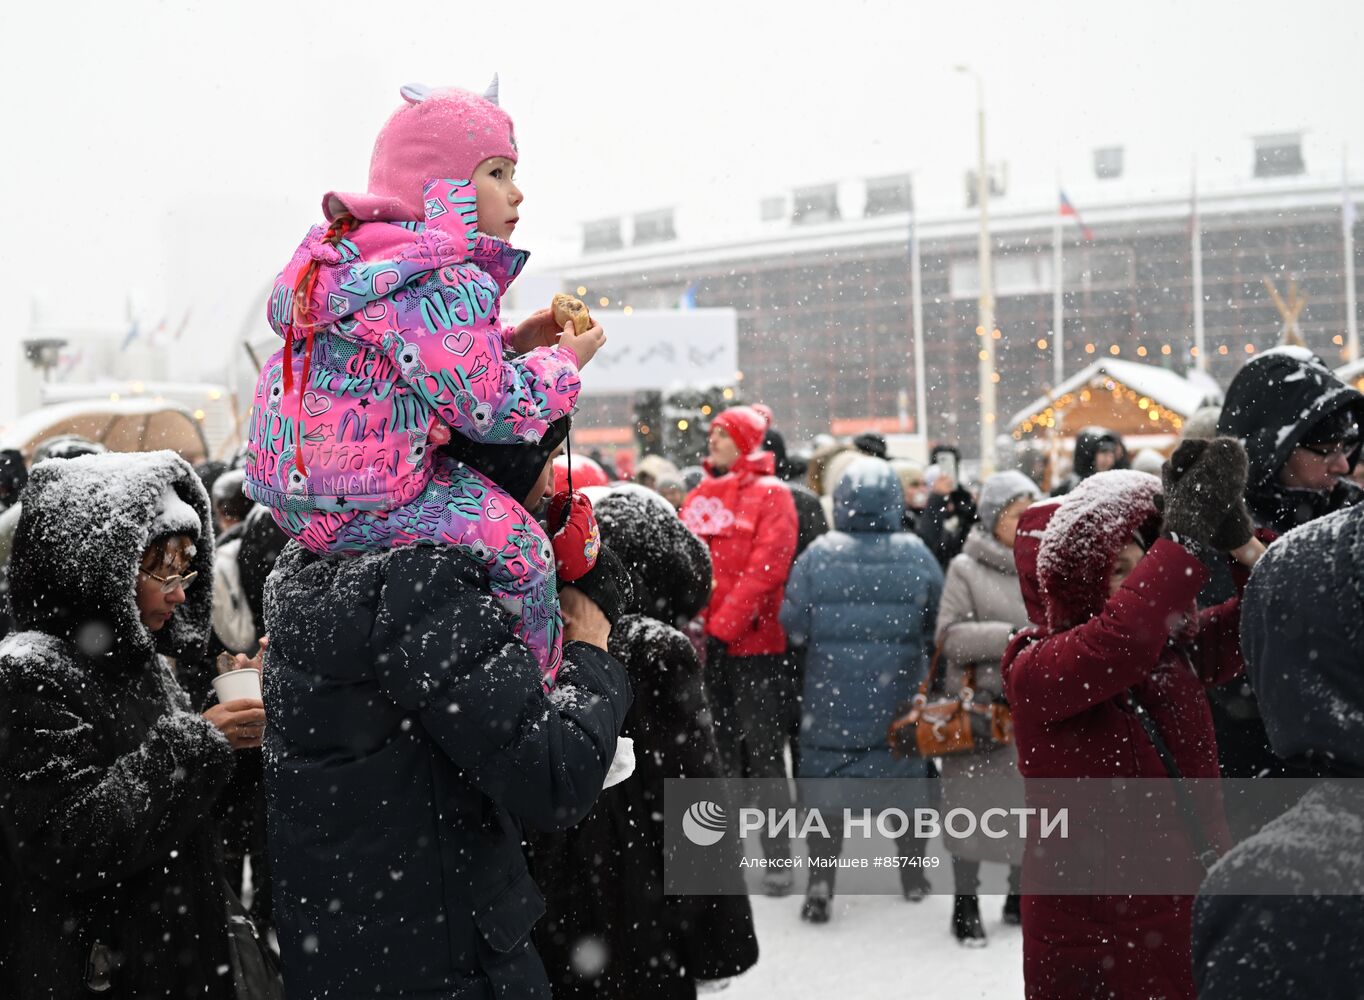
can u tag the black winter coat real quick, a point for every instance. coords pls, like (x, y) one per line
(810, 519)
(409, 741)
(946, 522)
(653, 945)
(1283, 913)
(1271, 404)
(107, 775)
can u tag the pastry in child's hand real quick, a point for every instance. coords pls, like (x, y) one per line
(566, 308)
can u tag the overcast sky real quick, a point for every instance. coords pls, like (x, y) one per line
(178, 150)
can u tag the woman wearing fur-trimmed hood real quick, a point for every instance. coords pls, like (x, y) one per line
(111, 877)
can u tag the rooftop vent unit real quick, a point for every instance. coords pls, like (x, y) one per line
(1279, 155)
(1108, 163)
(887, 195)
(601, 236)
(812, 206)
(654, 227)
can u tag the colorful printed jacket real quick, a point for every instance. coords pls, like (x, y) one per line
(407, 341)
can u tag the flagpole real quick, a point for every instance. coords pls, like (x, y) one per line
(1058, 306)
(1201, 361)
(917, 291)
(1347, 225)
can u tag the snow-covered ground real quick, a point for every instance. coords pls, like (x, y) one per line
(878, 947)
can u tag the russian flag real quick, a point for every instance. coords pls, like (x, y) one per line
(1067, 210)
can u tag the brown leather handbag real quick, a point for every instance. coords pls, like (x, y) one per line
(949, 726)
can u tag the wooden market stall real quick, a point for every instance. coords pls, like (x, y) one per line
(1146, 404)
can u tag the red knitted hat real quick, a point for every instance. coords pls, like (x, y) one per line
(745, 426)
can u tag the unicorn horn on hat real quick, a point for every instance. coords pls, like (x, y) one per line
(491, 93)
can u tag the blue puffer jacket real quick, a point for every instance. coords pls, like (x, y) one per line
(410, 742)
(864, 597)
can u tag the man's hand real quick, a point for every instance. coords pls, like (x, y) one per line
(583, 620)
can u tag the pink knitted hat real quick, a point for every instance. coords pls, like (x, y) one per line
(438, 133)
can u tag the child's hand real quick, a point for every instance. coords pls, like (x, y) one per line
(585, 344)
(536, 330)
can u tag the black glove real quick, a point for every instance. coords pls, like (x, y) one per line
(608, 585)
(1235, 530)
(1204, 489)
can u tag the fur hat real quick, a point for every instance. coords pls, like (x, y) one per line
(445, 132)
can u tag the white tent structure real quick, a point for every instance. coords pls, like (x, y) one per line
(119, 424)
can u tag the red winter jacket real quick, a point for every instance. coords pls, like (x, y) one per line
(748, 519)
(1066, 682)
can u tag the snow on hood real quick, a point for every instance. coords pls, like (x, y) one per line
(670, 567)
(1083, 538)
(1032, 527)
(868, 497)
(85, 524)
(1302, 635)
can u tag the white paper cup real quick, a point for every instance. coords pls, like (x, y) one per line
(236, 684)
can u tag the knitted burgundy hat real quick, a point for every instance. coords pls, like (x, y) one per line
(439, 133)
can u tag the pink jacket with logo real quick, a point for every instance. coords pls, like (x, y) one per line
(407, 347)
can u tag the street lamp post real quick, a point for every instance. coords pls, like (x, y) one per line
(985, 322)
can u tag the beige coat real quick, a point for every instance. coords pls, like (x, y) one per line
(981, 607)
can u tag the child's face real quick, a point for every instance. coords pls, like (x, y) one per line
(1124, 565)
(498, 197)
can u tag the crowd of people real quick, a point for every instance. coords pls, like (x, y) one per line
(737, 630)
(479, 659)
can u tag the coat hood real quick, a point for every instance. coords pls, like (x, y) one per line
(85, 524)
(669, 565)
(1275, 400)
(1032, 527)
(1302, 636)
(1083, 538)
(380, 260)
(868, 497)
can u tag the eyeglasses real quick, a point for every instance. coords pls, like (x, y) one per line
(170, 584)
(1329, 451)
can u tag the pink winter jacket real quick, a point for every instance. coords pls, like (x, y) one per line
(407, 341)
